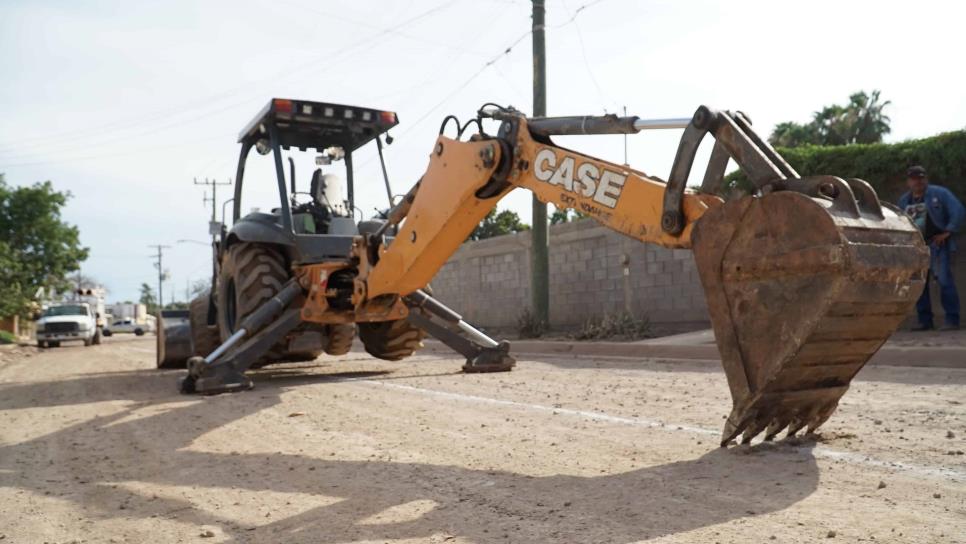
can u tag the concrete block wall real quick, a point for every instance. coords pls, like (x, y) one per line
(592, 271)
(489, 281)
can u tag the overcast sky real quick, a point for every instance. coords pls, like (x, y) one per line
(124, 103)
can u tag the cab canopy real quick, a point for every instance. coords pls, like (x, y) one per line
(317, 125)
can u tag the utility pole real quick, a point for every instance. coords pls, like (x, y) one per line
(540, 250)
(625, 141)
(214, 199)
(159, 265)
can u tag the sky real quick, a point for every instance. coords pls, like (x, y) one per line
(124, 104)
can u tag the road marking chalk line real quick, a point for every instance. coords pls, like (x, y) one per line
(818, 451)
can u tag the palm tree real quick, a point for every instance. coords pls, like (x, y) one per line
(868, 120)
(861, 121)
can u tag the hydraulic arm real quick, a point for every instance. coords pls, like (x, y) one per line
(804, 280)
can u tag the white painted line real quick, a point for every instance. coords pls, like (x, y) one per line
(650, 359)
(941, 473)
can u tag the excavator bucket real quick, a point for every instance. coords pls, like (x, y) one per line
(803, 288)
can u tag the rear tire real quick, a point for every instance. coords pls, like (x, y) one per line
(204, 337)
(250, 275)
(107, 333)
(339, 338)
(138, 332)
(391, 340)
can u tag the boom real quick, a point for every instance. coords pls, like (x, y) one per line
(466, 179)
(804, 280)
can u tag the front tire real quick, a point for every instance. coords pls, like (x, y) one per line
(41, 344)
(391, 340)
(339, 338)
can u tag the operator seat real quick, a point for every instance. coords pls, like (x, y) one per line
(326, 191)
(329, 204)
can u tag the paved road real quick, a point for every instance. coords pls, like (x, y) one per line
(96, 446)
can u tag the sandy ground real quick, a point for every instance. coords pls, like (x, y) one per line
(97, 446)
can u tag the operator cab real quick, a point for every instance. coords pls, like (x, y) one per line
(326, 207)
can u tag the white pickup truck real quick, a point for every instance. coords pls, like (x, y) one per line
(68, 321)
(128, 325)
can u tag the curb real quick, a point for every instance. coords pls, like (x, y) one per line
(921, 357)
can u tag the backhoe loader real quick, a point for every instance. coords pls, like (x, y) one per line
(805, 278)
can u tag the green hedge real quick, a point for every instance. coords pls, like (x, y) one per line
(883, 165)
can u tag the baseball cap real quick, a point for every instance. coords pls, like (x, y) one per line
(916, 172)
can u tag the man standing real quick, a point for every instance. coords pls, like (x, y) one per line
(938, 214)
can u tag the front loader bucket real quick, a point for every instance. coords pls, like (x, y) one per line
(802, 291)
(173, 345)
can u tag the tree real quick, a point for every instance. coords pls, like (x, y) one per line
(861, 121)
(37, 248)
(559, 216)
(83, 281)
(870, 123)
(498, 224)
(199, 287)
(791, 134)
(148, 298)
(563, 215)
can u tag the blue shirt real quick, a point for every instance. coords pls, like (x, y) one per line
(943, 208)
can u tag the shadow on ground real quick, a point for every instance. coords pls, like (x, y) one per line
(117, 462)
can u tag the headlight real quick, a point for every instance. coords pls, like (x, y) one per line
(40, 327)
(83, 326)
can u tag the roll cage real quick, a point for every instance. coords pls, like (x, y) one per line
(285, 123)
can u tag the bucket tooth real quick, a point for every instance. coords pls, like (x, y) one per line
(821, 416)
(802, 291)
(756, 427)
(796, 425)
(733, 427)
(776, 426)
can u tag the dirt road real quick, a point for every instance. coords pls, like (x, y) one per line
(97, 446)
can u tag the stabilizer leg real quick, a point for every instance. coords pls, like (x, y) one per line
(483, 354)
(224, 369)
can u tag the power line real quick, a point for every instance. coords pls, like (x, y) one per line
(205, 102)
(577, 13)
(493, 60)
(583, 52)
(122, 137)
(506, 51)
(340, 17)
(466, 83)
(116, 154)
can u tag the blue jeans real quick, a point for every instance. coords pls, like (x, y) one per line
(940, 264)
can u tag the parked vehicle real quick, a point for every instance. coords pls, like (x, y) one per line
(95, 299)
(68, 321)
(133, 310)
(128, 326)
